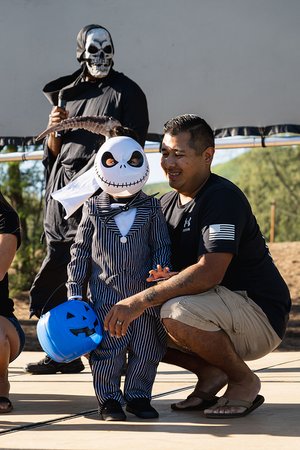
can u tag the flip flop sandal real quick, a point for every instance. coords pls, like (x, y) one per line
(223, 401)
(207, 401)
(8, 403)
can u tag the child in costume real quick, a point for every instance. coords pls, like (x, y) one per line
(121, 237)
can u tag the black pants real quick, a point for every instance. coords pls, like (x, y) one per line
(49, 286)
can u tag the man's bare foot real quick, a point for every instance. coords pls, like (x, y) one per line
(235, 392)
(5, 405)
(195, 402)
(205, 391)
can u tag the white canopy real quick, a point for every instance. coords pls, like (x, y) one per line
(234, 62)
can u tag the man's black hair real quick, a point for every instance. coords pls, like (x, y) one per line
(202, 136)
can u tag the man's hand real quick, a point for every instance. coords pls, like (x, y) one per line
(122, 314)
(56, 116)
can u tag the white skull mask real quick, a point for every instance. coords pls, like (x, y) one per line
(98, 52)
(121, 167)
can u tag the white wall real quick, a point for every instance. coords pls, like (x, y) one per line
(235, 62)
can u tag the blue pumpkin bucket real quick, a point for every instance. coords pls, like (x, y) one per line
(69, 331)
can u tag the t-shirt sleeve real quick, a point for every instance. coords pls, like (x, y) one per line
(223, 221)
(9, 222)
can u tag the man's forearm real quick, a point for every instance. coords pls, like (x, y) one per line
(195, 279)
(54, 144)
(192, 280)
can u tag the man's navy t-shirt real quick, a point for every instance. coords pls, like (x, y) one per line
(220, 220)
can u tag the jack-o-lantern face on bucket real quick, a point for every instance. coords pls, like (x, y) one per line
(69, 330)
(83, 322)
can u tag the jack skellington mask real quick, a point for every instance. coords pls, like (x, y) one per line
(95, 49)
(121, 167)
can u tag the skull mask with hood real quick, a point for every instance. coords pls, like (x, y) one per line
(95, 50)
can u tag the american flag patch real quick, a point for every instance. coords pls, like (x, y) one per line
(224, 231)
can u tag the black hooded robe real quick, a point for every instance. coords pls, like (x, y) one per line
(115, 95)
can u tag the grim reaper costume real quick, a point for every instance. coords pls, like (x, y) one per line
(109, 93)
(122, 235)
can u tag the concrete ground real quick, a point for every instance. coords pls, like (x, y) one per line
(60, 412)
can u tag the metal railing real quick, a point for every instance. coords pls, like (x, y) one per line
(153, 147)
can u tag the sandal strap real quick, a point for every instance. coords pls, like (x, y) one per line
(203, 396)
(5, 400)
(223, 401)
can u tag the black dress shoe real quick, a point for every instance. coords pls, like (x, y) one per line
(142, 408)
(112, 410)
(48, 366)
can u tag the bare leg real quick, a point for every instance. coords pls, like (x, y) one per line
(216, 349)
(9, 344)
(210, 379)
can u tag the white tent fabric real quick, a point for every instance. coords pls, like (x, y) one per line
(234, 62)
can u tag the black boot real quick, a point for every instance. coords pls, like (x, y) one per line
(48, 366)
(112, 410)
(142, 408)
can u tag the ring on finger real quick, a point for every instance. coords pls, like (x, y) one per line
(119, 322)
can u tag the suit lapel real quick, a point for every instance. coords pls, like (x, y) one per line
(102, 203)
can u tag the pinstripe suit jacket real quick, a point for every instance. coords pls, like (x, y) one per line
(118, 269)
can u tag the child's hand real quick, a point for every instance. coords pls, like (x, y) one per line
(160, 274)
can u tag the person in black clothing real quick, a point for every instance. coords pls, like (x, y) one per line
(96, 89)
(227, 303)
(12, 337)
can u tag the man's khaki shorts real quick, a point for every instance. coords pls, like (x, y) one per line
(233, 312)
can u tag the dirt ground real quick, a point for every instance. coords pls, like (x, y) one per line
(287, 258)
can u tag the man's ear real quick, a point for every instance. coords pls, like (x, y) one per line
(209, 154)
